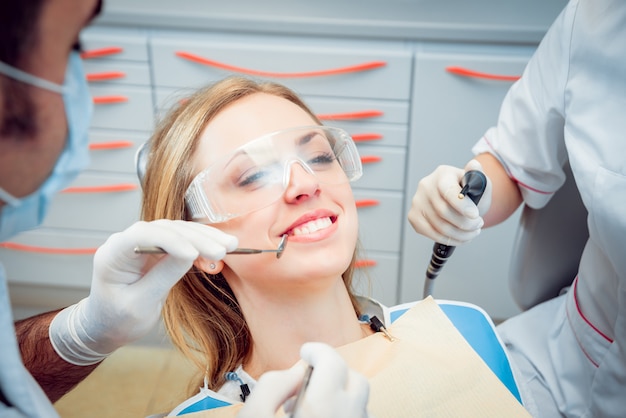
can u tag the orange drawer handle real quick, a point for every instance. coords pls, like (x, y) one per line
(364, 203)
(101, 52)
(46, 250)
(368, 159)
(365, 263)
(366, 137)
(465, 72)
(110, 145)
(123, 187)
(365, 114)
(109, 99)
(109, 75)
(334, 71)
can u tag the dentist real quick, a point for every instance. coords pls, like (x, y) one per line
(45, 110)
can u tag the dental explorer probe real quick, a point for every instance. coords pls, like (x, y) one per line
(473, 186)
(279, 251)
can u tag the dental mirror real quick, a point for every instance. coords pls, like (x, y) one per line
(279, 251)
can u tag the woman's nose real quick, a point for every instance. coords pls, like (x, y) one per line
(302, 183)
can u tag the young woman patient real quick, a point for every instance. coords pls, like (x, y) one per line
(252, 160)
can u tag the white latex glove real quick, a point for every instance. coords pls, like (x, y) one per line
(438, 213)
(334, 390)
(128, 290)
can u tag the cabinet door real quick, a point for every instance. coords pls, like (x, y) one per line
(450, 113)
(53, 258)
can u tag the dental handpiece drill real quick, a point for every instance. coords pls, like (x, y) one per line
(473, 186)
(279, 251)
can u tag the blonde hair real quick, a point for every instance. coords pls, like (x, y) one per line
(201, 313)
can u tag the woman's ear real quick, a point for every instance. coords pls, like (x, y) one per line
(209, 266)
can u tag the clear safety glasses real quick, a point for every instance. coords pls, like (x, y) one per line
(256, 174)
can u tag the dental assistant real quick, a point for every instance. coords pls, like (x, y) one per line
(569, 105)
(45, 109)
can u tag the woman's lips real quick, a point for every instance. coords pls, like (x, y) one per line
(312, 226)
(311, 223)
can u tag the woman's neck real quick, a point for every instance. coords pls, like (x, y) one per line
(281, 323)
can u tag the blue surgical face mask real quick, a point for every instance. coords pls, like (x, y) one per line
(21, 214)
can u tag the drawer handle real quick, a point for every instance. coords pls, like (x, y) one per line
(369, 159)
(46, 250)
(359, 264)
(101, 52)
(109, 75)
(110, 145)
(109, 99)
(366, 137)
(365, 114)
(366, 203)
(123, 187)
(465, 72)
(334, 71)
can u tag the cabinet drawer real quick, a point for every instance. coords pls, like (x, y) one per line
(103, 45)
(380, 219)
(377, 277)
(309, 67)
(114, 151)
(366, 133)
(117, 73)
(330, 110)
(122, 107)
(383, 168)
(51, 258)
(94, 202)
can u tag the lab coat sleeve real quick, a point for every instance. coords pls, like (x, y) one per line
(528, 138)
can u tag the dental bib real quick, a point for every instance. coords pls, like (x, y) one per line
(428, 369)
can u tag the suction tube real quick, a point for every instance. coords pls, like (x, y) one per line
(473, 186)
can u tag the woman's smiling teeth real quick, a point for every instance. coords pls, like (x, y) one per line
(312, 226)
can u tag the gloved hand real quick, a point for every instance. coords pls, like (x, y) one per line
(128, 290)
(333, 391)
(439, 214)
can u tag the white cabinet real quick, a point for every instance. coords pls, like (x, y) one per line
(457, 92)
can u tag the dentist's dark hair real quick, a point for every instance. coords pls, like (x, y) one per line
(18, 36)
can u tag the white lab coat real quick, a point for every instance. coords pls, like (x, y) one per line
(18, 386)
(571, 104)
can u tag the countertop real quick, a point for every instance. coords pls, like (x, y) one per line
(493, 21)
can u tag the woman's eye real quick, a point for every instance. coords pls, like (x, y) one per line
(252, 178)
(322, 159)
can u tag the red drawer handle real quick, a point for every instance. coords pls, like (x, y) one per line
(366, 137)
(46, 250)
(123, 187)
(101, 52)
(109, 99)
(365, 114)
(359, 264)
(464, 72)
(365, 203)
(109, 75)
(110, 145)
(368, 159)
(334, 71)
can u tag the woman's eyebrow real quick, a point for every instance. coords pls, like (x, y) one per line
(306, 138)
